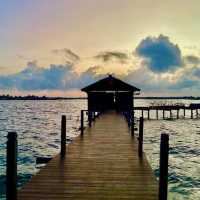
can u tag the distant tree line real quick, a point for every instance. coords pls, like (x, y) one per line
(34, 97)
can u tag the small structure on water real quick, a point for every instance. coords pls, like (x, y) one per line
(110, 93)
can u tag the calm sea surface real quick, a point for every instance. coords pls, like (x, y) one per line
(38, 126)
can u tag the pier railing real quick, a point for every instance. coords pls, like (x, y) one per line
(91, 115)
(164, 153)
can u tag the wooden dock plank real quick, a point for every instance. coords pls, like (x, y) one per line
(103, 164)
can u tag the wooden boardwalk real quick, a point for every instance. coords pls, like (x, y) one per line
(101, 165)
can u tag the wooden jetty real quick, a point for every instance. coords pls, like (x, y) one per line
(169, 108)
(105, 162)
(102, 164)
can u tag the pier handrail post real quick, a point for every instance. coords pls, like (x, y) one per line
(90, 118)
(11, 170)
(82, 122)
(163, 180)
(132, 122)
(63, 136)
(140, 138)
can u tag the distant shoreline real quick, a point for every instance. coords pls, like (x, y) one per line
(32, 97)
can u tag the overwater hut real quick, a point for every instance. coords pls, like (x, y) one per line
(110, 93)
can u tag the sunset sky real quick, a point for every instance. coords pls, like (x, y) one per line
(56, 47)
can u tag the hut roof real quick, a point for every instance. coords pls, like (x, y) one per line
(110, 83)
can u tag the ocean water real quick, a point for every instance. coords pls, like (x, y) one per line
(38, 126)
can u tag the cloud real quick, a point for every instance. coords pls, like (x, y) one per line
(191, 59)
(55, 77)
(160, 54)
(37, 78)
(69, 54)
(108, 56)
(184, 83)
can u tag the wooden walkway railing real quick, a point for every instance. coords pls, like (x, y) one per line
(102, 163)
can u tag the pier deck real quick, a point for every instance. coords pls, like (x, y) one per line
(101, 165)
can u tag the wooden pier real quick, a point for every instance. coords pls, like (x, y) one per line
(103, 163)
(169, 108)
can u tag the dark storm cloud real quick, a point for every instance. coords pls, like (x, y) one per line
(112, 55)
(160, 54)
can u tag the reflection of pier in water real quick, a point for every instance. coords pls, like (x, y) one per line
(169, 108)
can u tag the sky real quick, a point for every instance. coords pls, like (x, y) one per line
(54, 48)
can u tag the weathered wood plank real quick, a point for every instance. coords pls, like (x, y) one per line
(102, 164)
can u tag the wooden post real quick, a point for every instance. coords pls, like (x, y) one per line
(11, 170)
(156, 113)
(184, 112)
(93, 116)
(132, 122)
(82, 122)
(177, 114)
(163, 114)
(89, 118)
(163, 180)
(142, 113)
(140, 139)
(148, 114)
(171, 114)
(63, 136)
(197, 114)
(191, 113)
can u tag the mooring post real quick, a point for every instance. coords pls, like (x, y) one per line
(163, 180)
(140, 138)
(156, 113)
(82, 122)
(11, 170)
(170, 114)
(142, 113)
(163, 114)
(197, 114)
(63, 136)
(191, 113)
(184, 112)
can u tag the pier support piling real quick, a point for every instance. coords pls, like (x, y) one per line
(82, 122)
(63, 136)
(11, 170)
(177, 114)
(140, 138)
(163, 180)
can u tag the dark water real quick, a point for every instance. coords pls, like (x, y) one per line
(38, 126)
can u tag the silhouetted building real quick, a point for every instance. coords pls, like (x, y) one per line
(110, 93)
